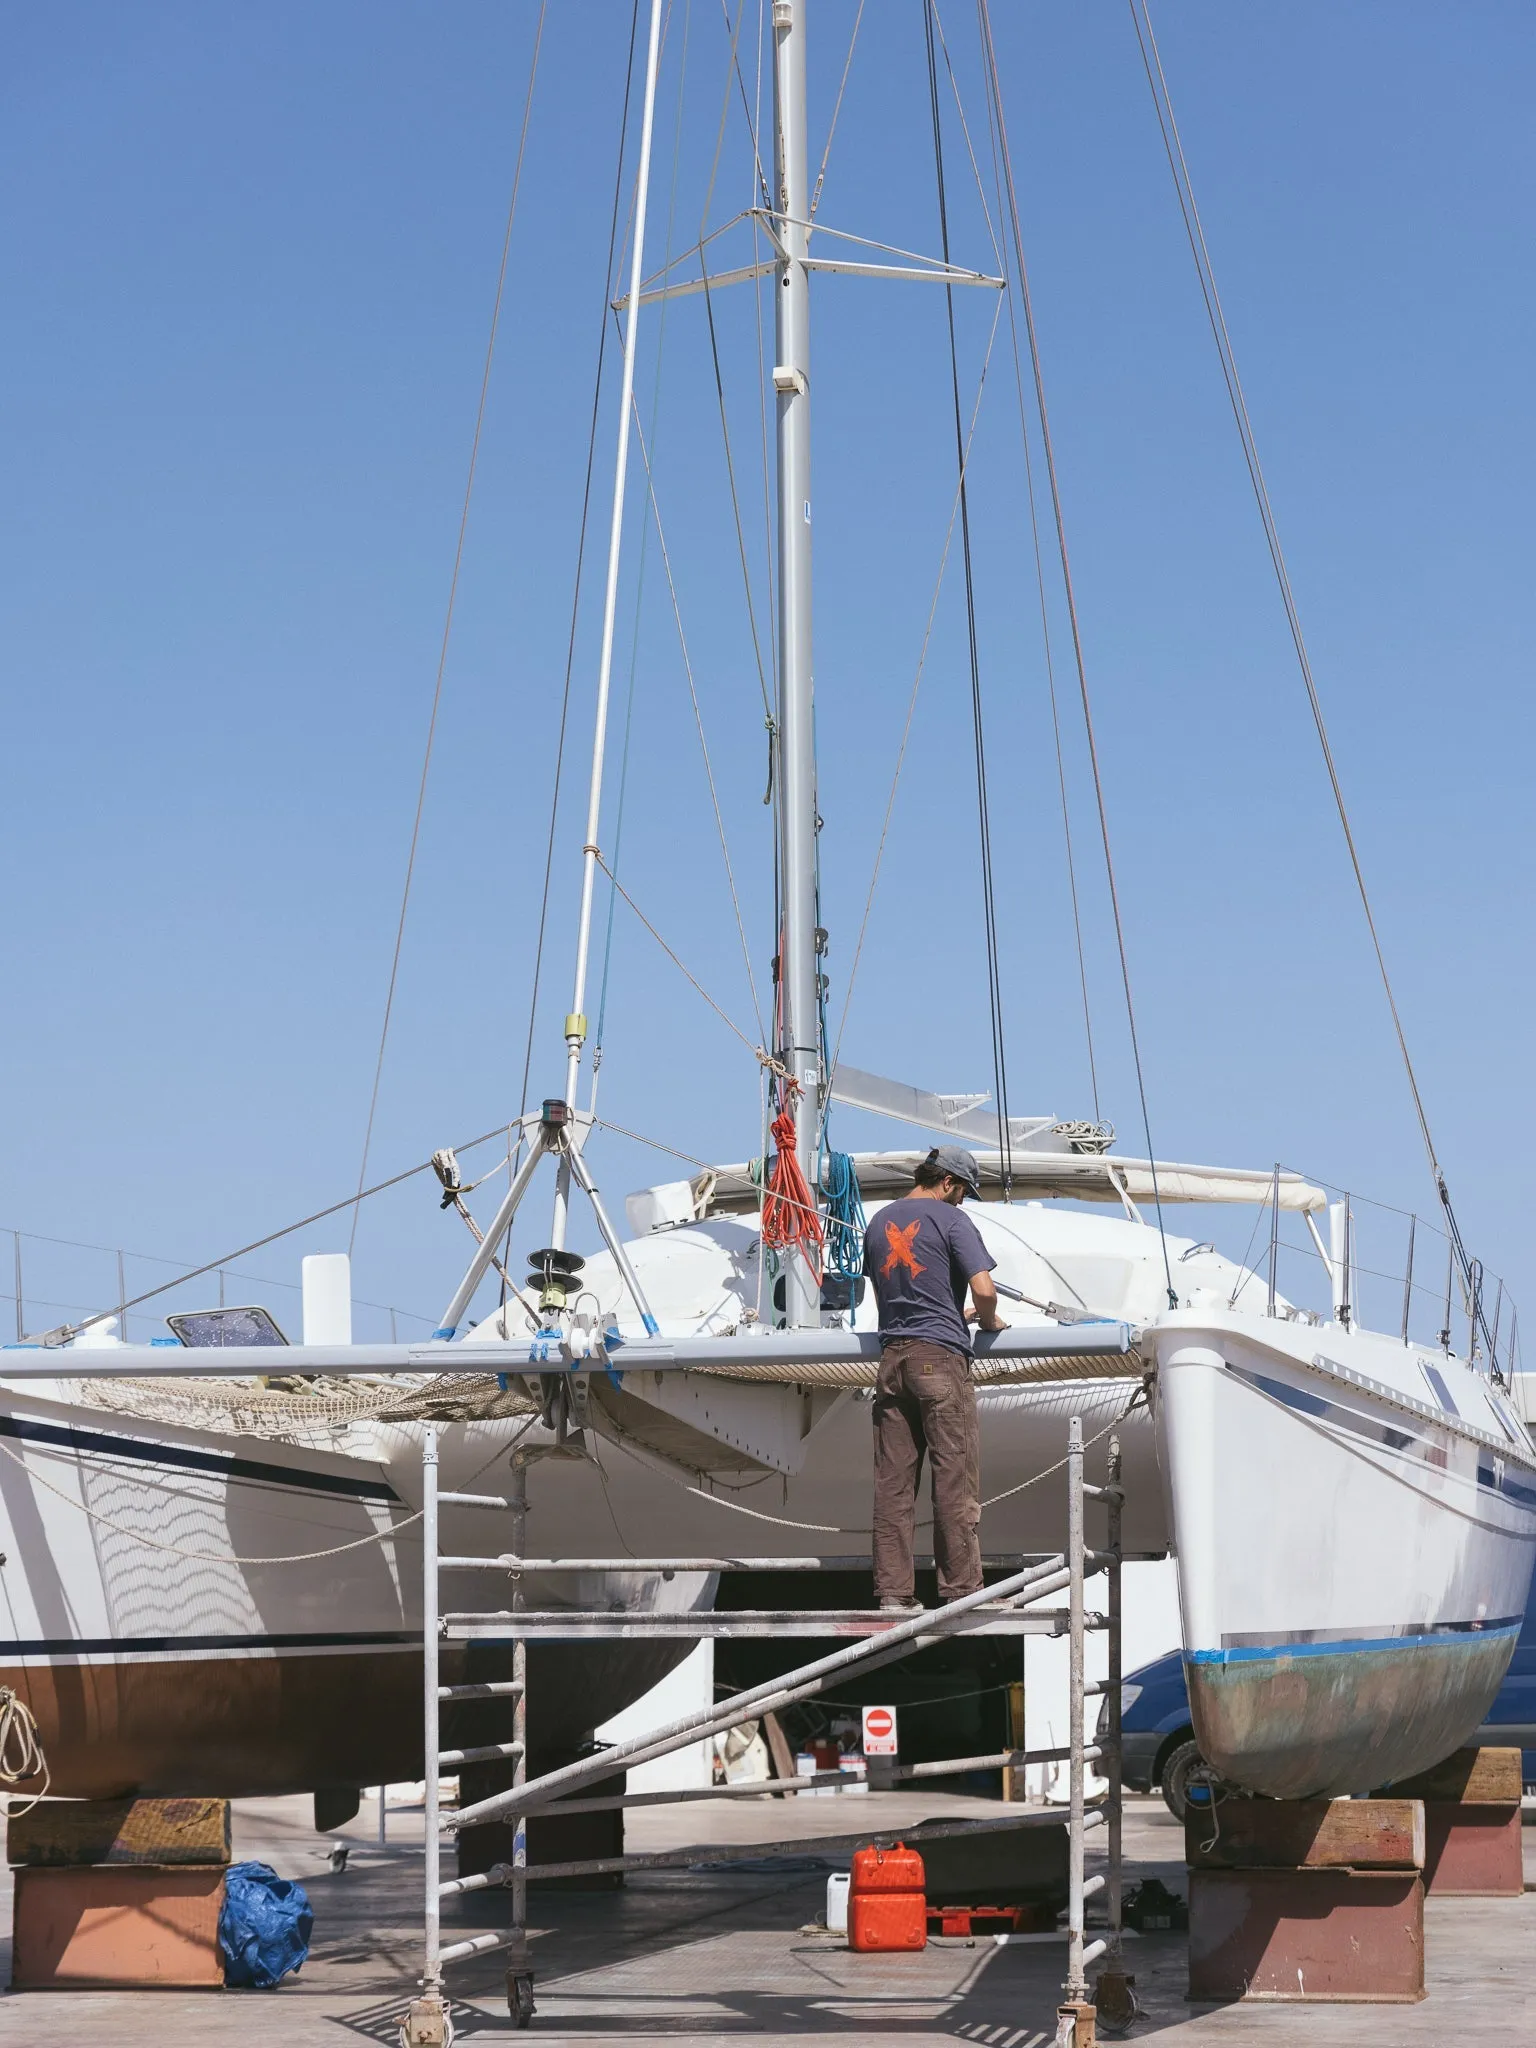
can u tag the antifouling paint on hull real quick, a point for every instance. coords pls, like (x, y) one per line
(1334, 1722)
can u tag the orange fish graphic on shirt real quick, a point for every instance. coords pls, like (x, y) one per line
(900, 1251)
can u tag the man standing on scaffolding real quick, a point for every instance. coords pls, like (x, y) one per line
(922, 1254)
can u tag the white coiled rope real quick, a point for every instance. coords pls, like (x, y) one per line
(21, 1752)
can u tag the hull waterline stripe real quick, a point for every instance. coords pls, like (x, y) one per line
(132, 1646)
(1245, 1649)
(187, 1460)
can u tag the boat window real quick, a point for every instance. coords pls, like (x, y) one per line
(1438, 1387)
(1501, 1413)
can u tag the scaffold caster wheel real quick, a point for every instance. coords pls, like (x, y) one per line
(1115, 1997)
(520, 1997)
(428, 2023)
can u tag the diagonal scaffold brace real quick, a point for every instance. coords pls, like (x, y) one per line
(1012, 1605)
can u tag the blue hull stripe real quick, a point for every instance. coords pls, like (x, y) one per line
(1402, 1440)
(1439, 1635)
(94, 1443)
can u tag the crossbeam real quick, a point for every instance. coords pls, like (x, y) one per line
(545, 1353)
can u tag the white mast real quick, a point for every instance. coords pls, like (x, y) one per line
(799, 1041)
(576, 1022)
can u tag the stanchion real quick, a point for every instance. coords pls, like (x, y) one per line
(1114, 1994)
(519, 1962)
(428, 2024)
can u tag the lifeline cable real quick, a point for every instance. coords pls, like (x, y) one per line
(203, 1556)
(1173, 147)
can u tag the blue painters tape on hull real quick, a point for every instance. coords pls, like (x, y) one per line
(1442, 1635)
(1302, 1720)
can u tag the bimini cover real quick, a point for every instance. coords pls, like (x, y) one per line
(264, 1928)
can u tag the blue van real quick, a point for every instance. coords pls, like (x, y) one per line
(1158, 1746)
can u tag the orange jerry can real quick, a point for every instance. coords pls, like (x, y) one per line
(887, 1905)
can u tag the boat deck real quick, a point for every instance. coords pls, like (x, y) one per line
(688, 1956)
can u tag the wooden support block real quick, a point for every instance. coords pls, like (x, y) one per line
(1336, 1936)
(118, 1928)
(1306, 1834)
(1474, 1852)
(1470, 1777)
(63, 1833)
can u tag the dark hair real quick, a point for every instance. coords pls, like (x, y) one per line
(928, 1173)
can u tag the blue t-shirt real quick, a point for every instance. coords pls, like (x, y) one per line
(920, 1254)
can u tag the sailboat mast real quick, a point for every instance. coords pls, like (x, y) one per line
(576, 1021)
(799, 1041)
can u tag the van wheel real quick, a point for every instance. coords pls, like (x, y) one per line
(1177, 1765)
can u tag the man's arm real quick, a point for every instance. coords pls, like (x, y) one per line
(984, 1295)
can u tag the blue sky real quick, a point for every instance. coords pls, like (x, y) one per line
(249, 262)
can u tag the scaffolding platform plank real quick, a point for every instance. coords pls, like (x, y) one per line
(849, 1622)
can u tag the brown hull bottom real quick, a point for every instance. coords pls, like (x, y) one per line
(242, 1727)
(1335, 1722)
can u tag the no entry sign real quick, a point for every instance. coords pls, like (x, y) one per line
(880, 1731)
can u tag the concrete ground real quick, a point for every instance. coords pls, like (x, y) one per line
(687, 1956)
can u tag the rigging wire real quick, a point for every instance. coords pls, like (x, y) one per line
(453, 592)
(581, 558)
(67, 1330)
(698, 719)
(995, 90)
(1173, 147)
(1048, 645)
(837, 108)
(983, 813)
(906, 730)
(686, 973)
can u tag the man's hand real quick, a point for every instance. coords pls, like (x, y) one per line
(983, 1312)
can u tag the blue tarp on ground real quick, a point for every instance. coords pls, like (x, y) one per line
(264, 1928)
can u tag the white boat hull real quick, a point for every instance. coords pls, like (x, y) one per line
(1353, 1562)
(192, 1670)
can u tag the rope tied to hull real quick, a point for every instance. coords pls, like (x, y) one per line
(21, 1749)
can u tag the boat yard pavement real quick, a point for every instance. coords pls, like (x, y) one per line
(692, 1955)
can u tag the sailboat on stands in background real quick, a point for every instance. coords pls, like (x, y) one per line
(1352, 1513)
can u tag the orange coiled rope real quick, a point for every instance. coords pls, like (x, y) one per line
(790, 1215)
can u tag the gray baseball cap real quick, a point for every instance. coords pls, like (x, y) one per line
(955, 1160)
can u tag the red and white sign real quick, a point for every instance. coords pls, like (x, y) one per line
(880, 1731)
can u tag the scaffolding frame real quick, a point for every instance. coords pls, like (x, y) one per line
(1010, 1607)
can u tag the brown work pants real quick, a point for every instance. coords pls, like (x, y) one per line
(924, 1402)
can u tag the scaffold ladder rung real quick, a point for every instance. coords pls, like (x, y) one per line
(481, 1753)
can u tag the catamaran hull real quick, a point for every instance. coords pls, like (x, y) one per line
(188, 1669)
(1353, 1564)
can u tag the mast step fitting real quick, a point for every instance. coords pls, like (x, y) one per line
(789, 381)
